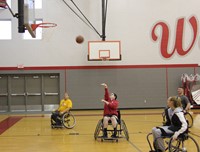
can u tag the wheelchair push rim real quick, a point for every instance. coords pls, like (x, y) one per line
(189, 118)
(69, 120)
(125, 130)
(98, 129)
(183, 145)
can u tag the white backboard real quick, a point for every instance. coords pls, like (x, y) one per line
(29, 16)
(104, 50)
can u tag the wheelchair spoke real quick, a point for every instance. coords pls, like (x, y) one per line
(69, 120)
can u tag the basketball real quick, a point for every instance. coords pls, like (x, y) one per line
(79, 39)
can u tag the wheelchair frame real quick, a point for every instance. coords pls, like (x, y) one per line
(121, 127)
(66, 120)
(174, 147)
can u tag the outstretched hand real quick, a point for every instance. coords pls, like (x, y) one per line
(175, 136)
(106, 102)
(105, 85)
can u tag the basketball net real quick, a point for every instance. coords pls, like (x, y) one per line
(47, 35)
(192, 78)
(42, 25)
(104, 58)
(192, 90)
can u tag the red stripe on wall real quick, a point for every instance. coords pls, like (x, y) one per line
(101, 67)
(8, 122)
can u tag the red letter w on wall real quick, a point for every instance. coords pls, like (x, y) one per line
(179, 37)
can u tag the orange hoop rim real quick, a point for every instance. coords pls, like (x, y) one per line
(43, 25)
(105, 58)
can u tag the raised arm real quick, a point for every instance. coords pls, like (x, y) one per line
(106, 96)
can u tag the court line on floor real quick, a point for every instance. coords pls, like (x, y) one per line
(67, 134)
(133, 145)
(194, 134)
(8, 123)
(123, 114)
(128, 114)
(93, 115)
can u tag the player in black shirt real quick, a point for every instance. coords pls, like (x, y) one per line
(177, 126)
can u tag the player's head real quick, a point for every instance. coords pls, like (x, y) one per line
(66, 96)
(180, 90)
(113, 96)
(168, 102)
(174, 102)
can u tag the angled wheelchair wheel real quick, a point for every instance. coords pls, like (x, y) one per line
(68, 120)
(189, 118)
(149, 139)
(124, 129)
(98, 129)
(175, 145)
(183, 145)
(165, 142)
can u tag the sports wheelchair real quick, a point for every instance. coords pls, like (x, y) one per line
(67, 120)
(184, 143)
(122, 131)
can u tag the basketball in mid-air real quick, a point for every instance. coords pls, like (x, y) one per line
(79, 39)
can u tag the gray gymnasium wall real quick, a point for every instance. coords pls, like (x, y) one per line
(198, 70)
(136, 88)
(133, 87)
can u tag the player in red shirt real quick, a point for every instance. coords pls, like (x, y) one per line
(110, 111)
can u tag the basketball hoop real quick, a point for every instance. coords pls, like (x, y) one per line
(104, 58)
(43, 25)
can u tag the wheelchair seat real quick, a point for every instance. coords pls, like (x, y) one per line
(118, 118)
(122, 131)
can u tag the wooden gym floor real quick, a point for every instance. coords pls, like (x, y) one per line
(27, 133)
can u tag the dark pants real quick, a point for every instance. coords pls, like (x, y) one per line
(56, 118)
(168, 121)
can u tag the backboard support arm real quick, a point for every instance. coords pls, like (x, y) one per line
(19, 15)
(21, 27)
(14, 15)
(104, 15)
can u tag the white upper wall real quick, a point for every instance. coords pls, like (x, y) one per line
(130, 21)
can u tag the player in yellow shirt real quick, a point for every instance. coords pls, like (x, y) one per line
(65, 106)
